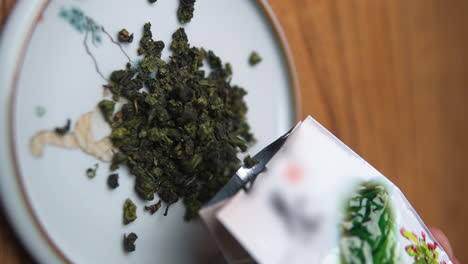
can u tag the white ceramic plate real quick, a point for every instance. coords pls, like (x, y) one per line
(61, 215)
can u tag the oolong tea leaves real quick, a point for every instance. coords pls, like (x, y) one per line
(182, 128)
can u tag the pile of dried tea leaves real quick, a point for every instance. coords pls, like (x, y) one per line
(181, 129)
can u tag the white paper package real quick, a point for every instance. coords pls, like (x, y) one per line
(319, 202)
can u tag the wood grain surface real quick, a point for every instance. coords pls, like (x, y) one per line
(390, 79)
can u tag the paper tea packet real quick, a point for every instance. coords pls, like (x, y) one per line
(319, 202)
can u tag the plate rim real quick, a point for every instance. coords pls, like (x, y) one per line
(24, 16)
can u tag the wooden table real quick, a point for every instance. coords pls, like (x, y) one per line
(390, 79)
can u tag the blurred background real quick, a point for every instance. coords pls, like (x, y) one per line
(390, 79)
